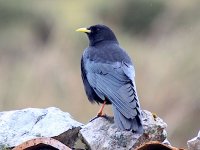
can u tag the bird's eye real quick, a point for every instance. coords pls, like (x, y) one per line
(97, 29)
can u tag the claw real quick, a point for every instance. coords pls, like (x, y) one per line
(93, 119)
(104, 116)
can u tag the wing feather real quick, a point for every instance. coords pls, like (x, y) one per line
(116, 82)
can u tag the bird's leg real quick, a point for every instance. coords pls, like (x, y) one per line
(100, 113)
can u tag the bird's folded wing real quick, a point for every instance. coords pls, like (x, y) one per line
(115, 82)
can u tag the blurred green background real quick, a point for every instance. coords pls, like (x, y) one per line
(40, 56)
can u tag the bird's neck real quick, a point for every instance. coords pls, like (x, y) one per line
(96, 43)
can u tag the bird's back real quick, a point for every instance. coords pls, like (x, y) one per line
(106, 52)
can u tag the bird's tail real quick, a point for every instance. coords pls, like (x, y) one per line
(127, 124)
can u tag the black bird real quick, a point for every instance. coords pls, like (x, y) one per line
(108, 77)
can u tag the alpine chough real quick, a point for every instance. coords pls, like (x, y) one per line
(108, 77)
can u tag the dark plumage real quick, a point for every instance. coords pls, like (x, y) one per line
(108, 75)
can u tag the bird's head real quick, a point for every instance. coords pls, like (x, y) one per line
(98, 33)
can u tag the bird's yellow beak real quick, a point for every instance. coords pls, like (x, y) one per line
(85, 30)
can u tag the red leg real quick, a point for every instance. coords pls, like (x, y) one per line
(100, 113)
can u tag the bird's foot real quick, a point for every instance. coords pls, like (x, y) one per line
(97, 116)
(100, 114)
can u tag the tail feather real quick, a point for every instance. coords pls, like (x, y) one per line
(137, 125)
(127, 124)
(117, 117)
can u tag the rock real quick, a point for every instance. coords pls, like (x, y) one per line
(33, 124)
(194, 144)
(21, 125)
(102, 134)
(42, 144)
(166, 142)
(155, 145)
